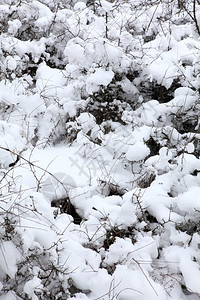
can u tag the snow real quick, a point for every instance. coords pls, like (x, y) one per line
(75, 53)
(8, 296)
(65, 165)
(48, 79)
(99, 150)
(189, 201)
(100, 77)
(30, 287)
(137, 152)
(9, 258)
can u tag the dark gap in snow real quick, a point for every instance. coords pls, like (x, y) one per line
(55, 63)
(132, 74)
(197, 147)
(110, 268)
(29, 32)
(153, 90)
(195, 172)
(104, 111)
(150, 37)
(67, 207)
(170, 194)
(190, 227)
(115, 232)
(149, 217)
(186, 122)
(73, 290)
(31, 70)
(145, 180)
(114, 190)
(185, 290)
(111, 189)
(153, 146)
(109, 103)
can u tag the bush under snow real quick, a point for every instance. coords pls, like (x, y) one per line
(99, 150)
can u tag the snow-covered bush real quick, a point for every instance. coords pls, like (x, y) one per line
(99, 149)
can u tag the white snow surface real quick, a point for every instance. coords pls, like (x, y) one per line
(99, 150)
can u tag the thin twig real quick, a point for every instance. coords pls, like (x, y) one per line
(145, 276)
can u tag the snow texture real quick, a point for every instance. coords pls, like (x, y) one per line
(99, 150)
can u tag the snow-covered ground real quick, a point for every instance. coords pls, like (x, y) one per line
(99, 150)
